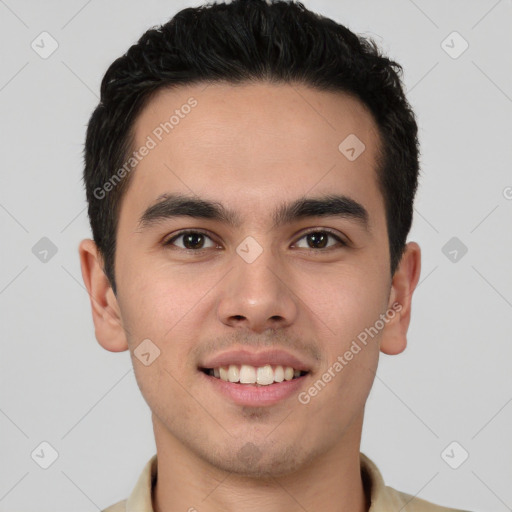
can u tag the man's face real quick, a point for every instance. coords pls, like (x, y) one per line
(270, 291)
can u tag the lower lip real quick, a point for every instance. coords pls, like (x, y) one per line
(251, 395)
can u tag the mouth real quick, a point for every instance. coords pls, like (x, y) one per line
(255, 379)
(245, 374)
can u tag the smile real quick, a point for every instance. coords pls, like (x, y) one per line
(260, 375)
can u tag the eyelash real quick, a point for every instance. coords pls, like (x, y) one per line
(169, 241)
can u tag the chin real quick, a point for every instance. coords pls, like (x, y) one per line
(262, 461)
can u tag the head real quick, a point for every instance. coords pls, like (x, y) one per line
(271, 120)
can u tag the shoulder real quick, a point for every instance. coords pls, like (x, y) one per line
(120, 506)
(386, 499)
(414, 504)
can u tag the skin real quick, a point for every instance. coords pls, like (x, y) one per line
(251, 147)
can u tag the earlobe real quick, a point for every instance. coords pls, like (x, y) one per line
(106, 314)
(394, 336)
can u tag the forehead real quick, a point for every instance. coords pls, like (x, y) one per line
(244, 143)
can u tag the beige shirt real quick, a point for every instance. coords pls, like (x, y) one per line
(383, 498)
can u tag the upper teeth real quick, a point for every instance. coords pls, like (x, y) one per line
(263, 375)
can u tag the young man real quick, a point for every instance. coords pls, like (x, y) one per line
(250, 172)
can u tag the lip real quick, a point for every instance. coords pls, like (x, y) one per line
(250, 395)
(273, 357)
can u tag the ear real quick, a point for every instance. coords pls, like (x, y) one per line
(394, 335)
(105, 308)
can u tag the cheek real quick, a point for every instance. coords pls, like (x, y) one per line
(345, 307)
(343, 301)
(155, 299)
(168, 307)
(161, 388)
(162, 310)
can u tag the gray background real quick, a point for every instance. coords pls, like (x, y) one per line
(453, 383)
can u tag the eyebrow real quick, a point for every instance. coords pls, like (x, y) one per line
(169, 206)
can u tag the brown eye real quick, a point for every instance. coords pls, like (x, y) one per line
(319, 239)
(191, 240)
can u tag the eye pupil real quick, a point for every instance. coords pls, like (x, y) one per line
(319, 239)
(191, 237)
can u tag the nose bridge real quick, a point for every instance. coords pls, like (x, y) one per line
(257, 271)
(256, 291)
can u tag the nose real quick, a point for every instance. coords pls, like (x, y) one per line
(258, 295)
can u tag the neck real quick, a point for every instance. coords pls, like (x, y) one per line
(331, 482)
